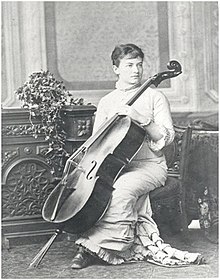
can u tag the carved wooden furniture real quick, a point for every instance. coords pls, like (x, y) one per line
(202, 182)
(26, 177)
(168, 202)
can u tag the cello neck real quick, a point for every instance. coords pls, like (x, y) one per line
(175, 69)
(139, 92)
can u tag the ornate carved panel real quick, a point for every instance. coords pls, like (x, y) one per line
(78, 122)
(26, 174)
(23, 156)
(20, 129)
(27, 186)
(9, 155)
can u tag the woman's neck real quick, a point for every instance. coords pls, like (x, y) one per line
(125, 87)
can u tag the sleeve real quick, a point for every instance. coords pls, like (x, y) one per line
(162, 118)
(100, 117)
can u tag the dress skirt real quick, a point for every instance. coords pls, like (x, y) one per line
(127, 221)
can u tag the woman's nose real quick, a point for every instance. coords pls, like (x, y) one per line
(135, 69)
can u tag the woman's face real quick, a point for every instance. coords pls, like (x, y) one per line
(130, 70)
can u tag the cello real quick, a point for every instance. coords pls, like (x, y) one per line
(82, 196)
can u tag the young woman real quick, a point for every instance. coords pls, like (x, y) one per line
(127, 231)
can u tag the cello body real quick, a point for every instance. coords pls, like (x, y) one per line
(85, 191)
(88, 188)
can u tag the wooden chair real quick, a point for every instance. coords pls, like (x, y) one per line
(168, 202)
(202, 188)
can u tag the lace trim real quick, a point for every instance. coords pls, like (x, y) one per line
(105, 255)
(166, 139)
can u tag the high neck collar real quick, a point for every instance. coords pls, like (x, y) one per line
(124, 87)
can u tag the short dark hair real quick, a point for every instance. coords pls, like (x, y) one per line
(120, 51)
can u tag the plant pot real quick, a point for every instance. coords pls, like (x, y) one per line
(78, 121)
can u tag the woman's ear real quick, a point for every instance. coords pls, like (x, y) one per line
(115, 69)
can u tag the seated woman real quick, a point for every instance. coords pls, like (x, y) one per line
(127, 231)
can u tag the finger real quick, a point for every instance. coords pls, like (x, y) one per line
(123, 111)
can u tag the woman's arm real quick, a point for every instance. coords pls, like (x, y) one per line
(158, 125)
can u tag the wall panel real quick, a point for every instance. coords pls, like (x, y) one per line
(74, 39)
(83, 42)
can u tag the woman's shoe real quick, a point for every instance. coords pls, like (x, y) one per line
(82, 259)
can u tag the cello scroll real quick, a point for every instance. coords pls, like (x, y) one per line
(175, 69)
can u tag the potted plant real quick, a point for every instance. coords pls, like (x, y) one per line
(46, 98)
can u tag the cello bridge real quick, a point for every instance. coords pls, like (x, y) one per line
(76, 165)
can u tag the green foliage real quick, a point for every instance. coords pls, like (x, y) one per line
(44, 97)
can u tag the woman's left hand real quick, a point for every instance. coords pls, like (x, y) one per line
(132, 113)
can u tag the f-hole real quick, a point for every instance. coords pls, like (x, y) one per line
(94, 163)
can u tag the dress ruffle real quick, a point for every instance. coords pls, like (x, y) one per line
(161, 254)
(106, 255)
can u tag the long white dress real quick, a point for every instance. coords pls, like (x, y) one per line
(127, 225)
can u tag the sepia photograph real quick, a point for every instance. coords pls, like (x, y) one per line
(109, 139)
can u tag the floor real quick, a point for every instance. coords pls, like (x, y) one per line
(57, 261)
